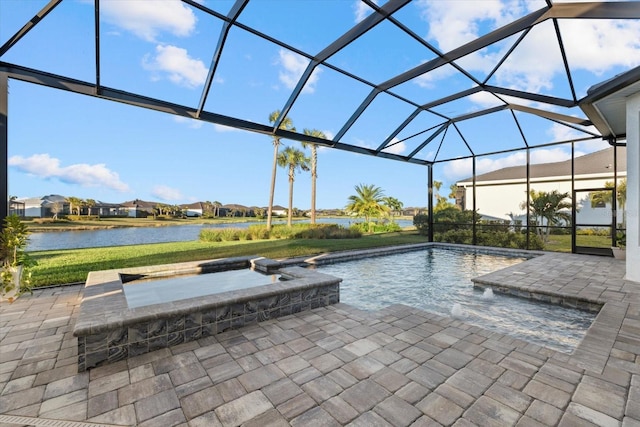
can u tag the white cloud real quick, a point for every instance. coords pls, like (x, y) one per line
(166, 193)
(591, 145)
(147, 18)
(487, 99)
(463, 168)
(176, 64)
(395, 147)
(454, 23)
(610, 43)
(293, 68)
(223, 128)
(47, 167)
(361, 10)
(428, 80)
(191, 123)
(560, 132)
(550, 155)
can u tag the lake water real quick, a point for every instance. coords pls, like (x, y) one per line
(144, 235)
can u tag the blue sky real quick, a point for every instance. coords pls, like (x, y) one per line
(79, 146)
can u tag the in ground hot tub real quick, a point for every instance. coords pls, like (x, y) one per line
(116, 322)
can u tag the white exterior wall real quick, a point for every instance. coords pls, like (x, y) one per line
(498, 200)
(633, 188)
(33, 211)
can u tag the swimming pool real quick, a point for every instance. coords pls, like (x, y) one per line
(438, 280)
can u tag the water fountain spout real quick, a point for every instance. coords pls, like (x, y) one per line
(487, 294)
(456, 311)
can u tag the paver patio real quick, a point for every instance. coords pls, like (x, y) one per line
(340, 366)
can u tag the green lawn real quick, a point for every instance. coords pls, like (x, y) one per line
(72, 265)
(562, 243)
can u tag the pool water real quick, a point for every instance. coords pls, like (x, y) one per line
(145, 292)
(439, 280)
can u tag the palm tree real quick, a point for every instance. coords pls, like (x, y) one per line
(74, 203)
(216, 208)
(606, 196)
(286, 124)
(89, 203)
(159, 207)
(368, 202)
(314, 167)
(393, 204)
(293, 159)
(550, 207)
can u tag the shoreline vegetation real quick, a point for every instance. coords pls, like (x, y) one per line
(94, 223)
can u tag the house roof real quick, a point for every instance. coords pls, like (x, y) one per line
(195, 205)
(599, 162)
(137, 203)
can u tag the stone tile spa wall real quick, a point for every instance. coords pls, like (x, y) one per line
(109, 331)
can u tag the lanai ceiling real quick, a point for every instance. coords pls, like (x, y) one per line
(504, 83)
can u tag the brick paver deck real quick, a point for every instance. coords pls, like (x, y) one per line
(340, 366)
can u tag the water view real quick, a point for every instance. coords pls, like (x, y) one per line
(439, 280)
(144, 235)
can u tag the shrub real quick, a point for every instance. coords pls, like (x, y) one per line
(325, 231)
(258, 232)
(82, 217)
(454, 236)
(222, 234)
(375, 227)
(421, 222)
(599, 231)
(297, 231)
(502, 239)
(50, 220)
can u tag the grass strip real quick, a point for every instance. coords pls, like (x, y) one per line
(72, 265)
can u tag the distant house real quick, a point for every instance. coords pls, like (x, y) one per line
(44, 207)
(193, 209)
(104, 209)
(499, 193)
(233, 210)
(55, 204)
(279, 210)
(139, 208)
(16, 207)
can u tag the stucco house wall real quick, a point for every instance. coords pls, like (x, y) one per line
(501, 197)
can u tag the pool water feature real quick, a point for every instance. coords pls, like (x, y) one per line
(439, 280)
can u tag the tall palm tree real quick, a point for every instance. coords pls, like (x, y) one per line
(89, 203)
(368, 202)
(286, 124)
(74, 203)
(314, 167)
(294, 160)
(216, 208)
